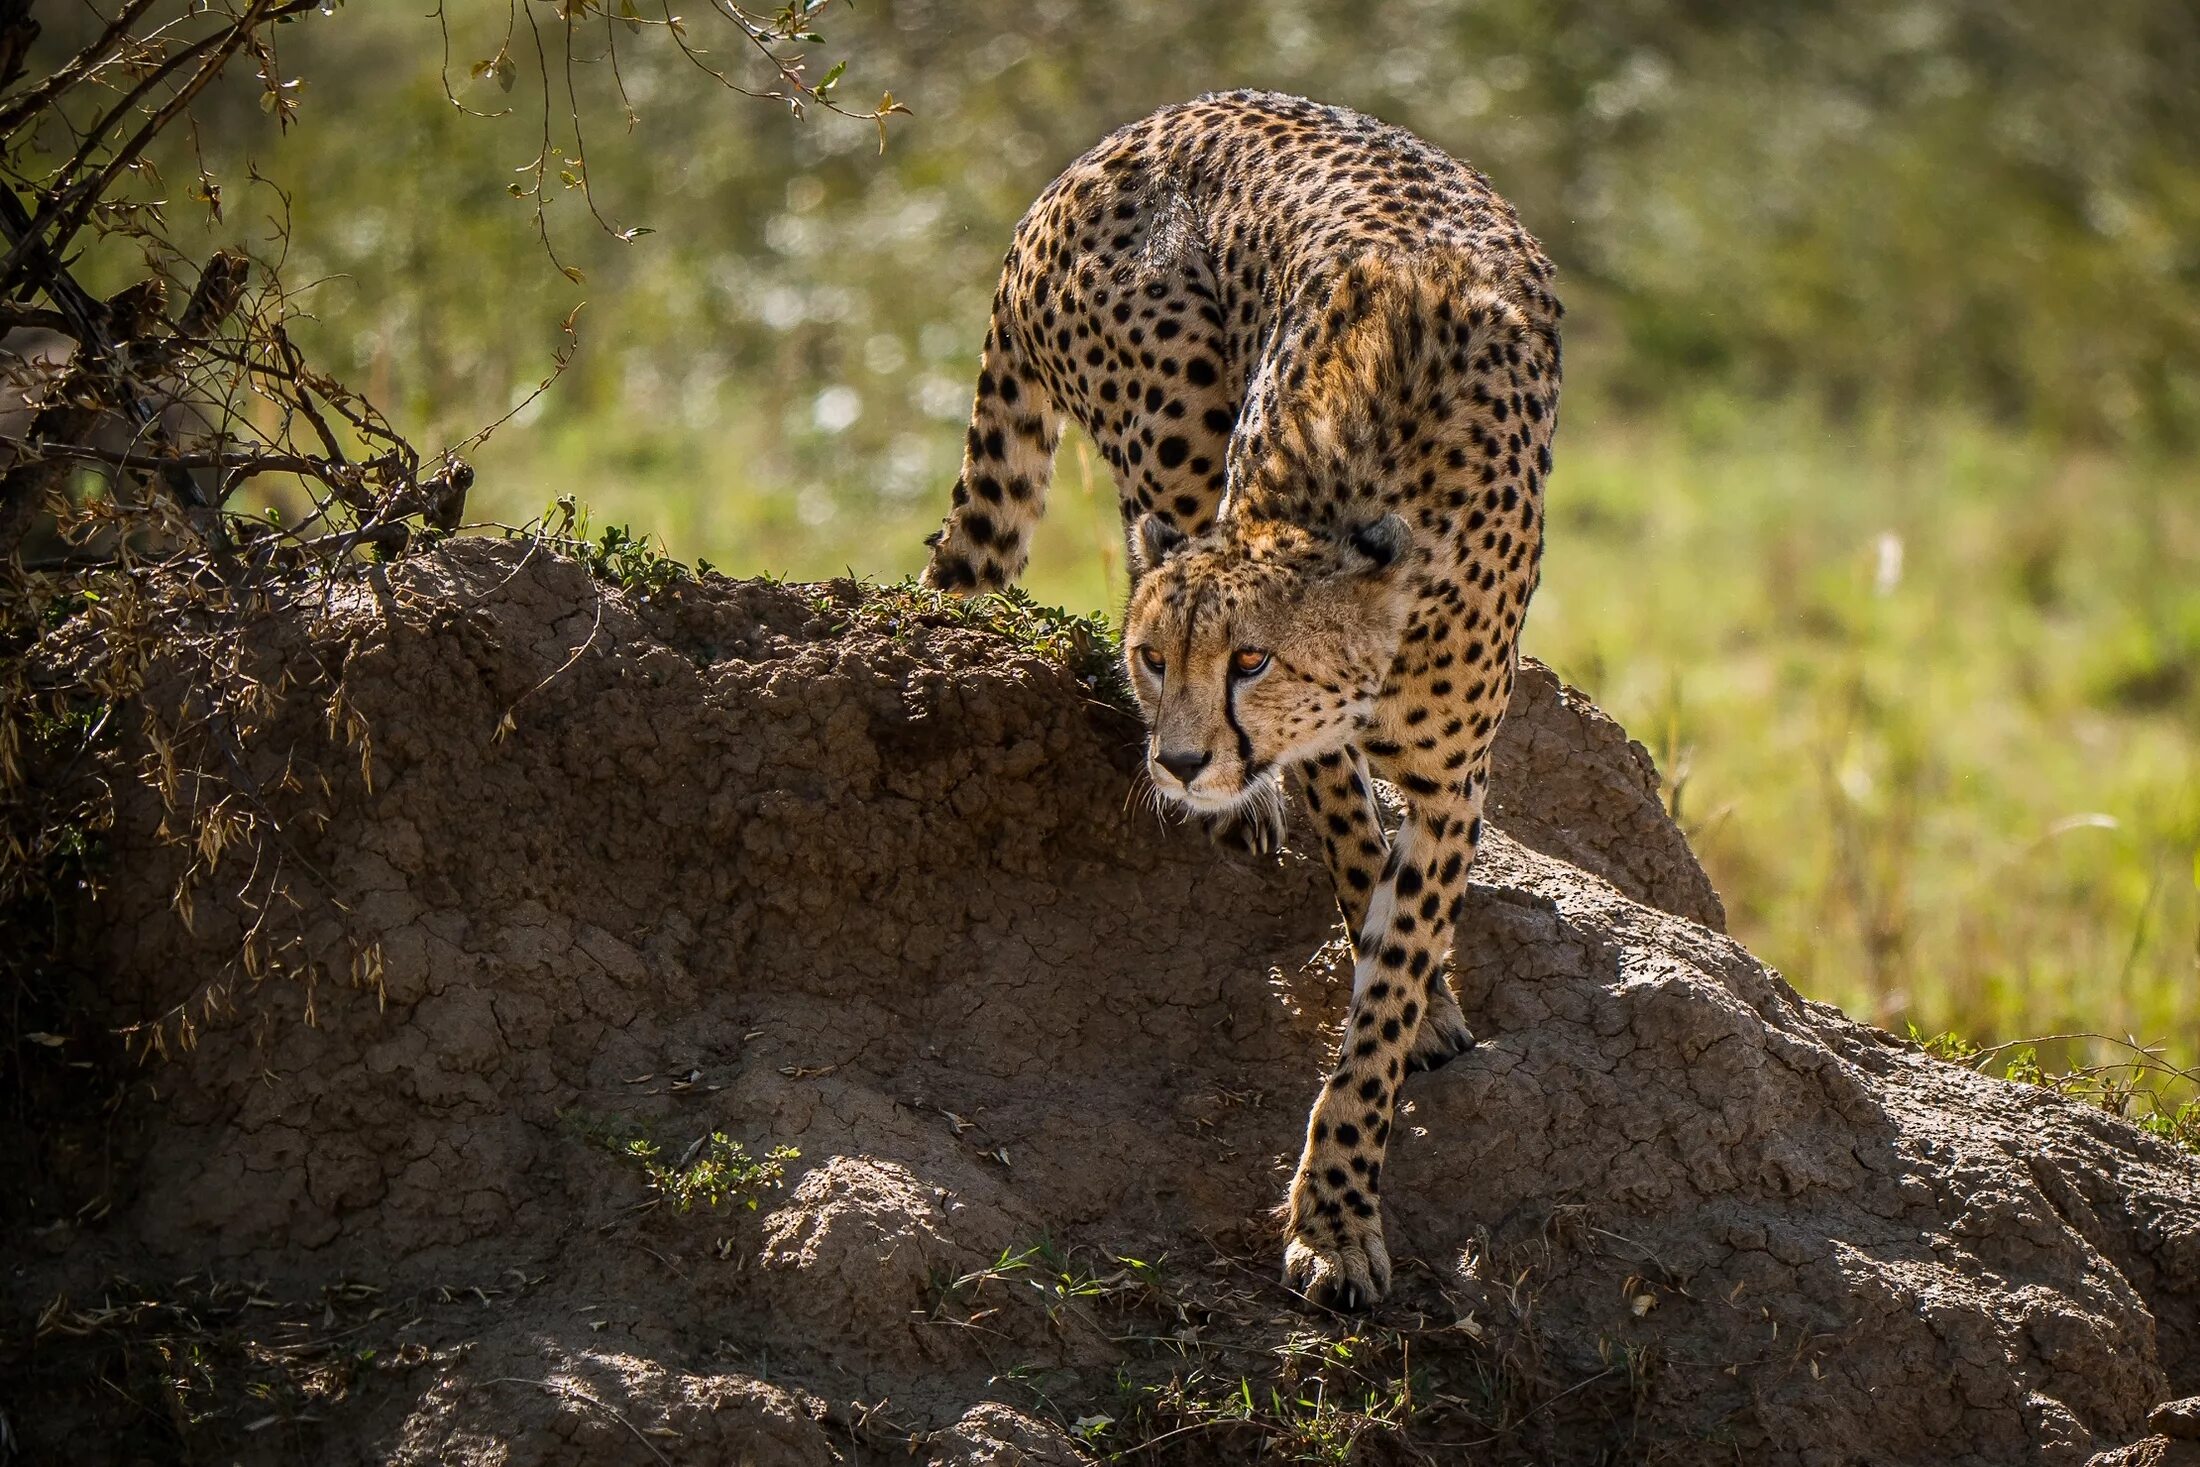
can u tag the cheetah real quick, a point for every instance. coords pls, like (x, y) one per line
(1322, 359)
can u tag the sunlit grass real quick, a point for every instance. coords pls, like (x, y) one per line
(1928, 699)
(1928, 704)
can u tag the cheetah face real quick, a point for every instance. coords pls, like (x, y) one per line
(1253, 650)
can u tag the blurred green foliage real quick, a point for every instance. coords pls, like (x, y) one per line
(1875, 512)
(1956, 201)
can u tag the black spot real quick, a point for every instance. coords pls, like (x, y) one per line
(1171, 452)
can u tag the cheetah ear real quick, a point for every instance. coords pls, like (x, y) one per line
(1157, 541)
(1379, 544)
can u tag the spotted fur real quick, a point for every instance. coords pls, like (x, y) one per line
(1323, 361)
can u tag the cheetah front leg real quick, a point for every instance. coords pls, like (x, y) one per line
(1334, 1252)
(1339, 797)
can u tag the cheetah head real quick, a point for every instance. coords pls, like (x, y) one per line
(1253, 648)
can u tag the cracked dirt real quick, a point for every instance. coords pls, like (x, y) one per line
(812, 871)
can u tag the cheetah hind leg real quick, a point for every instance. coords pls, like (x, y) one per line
(1254, 828)
(1444, 1035)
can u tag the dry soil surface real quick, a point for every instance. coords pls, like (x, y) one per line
(816, 867)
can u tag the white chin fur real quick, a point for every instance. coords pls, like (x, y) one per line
(1203, 802)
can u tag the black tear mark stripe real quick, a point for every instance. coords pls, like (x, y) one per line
(1246, 762)
(1230, 685)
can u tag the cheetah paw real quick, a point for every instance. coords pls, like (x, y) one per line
(1255, 829)
(1349, 1277)
(1444, 1035)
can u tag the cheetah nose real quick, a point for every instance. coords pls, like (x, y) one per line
(1184, 766)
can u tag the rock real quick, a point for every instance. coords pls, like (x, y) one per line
(2179, 1419)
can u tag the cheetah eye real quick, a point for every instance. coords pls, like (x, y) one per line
(1154, 661)
(1247, 661)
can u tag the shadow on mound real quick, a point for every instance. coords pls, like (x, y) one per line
(843, 871)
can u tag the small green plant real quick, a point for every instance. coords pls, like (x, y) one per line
(1054, 1274)
(2144, 1088)
(2181, 1125)
(719, 1174)
(1946, 1045)
(714, 1171)
(636, 564)
(632, 562)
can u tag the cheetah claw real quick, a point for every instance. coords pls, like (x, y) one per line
(1348, 1279)
(1256, 830)
(1444, 1035)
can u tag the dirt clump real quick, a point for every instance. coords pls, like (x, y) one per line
(658, 884)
